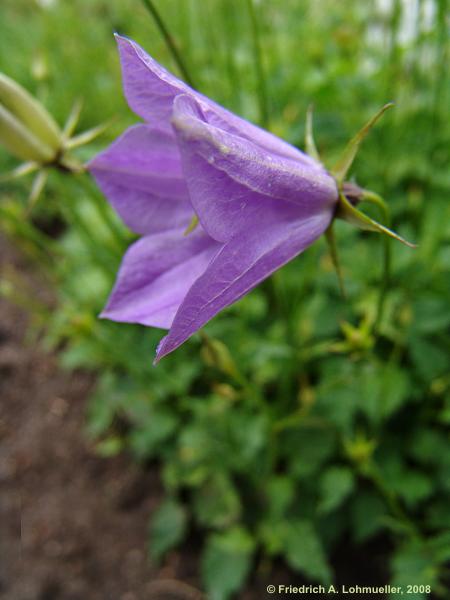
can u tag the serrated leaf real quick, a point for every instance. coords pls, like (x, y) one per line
(335, 486)
(226, 562)
(304, 551)
(167, 528)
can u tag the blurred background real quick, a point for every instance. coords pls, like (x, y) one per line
(304, 439)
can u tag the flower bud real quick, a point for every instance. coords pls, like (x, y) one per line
(26, 128)
(20, 141)
(216, 354)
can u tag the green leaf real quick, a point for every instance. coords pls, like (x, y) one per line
(382, 390)
(307, 450)
(304, 551)
(431, 314)
(430, 447)
(430, 359)
(272, 534)
(280, 492)
(413, 565)
(216, 502)
(395, 386)
(411, 485)
(367, 513)
(111, 446)
(335, 486)
(226, 562)
(147, 439)
(167, 528)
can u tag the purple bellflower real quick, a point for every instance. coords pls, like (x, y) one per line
(259, 203)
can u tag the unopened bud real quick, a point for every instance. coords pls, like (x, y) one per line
(18, 140)
(216, 354)
(360, 449)
(20, 111)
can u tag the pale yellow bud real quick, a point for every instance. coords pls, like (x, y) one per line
(29, 113)
(20, 141)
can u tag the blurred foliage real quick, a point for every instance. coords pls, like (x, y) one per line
(293, 425)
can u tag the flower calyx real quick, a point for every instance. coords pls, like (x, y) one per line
(349, 193)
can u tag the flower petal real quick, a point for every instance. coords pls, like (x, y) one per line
(238, 267)
(150, 91)
(232, 181)
(141, 175)
(156, 273)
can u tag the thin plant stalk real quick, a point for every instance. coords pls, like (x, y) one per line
(117, 232)
(169, 40)
(386, 275)
(257, 54)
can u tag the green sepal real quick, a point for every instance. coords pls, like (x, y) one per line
(310, 144)
(87, 136)
(20, 171)
(36, 189)
(347, 212)
(341, 168)
(72, 120)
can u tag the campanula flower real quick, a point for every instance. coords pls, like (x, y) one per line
(259, 202)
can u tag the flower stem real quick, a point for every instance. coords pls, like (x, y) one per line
(372, 473)
(386, 277)
(118, 234)
(170, 42)
(257, 53)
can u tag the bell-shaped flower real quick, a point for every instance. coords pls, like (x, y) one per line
(259, 203)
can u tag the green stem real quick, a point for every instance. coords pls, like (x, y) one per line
(371, 472)
(118, 234)
(226, 363)
(98, 254)
(257, 52)
(170, 42)
(18, 225)
(332, 246)
(386, 276)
